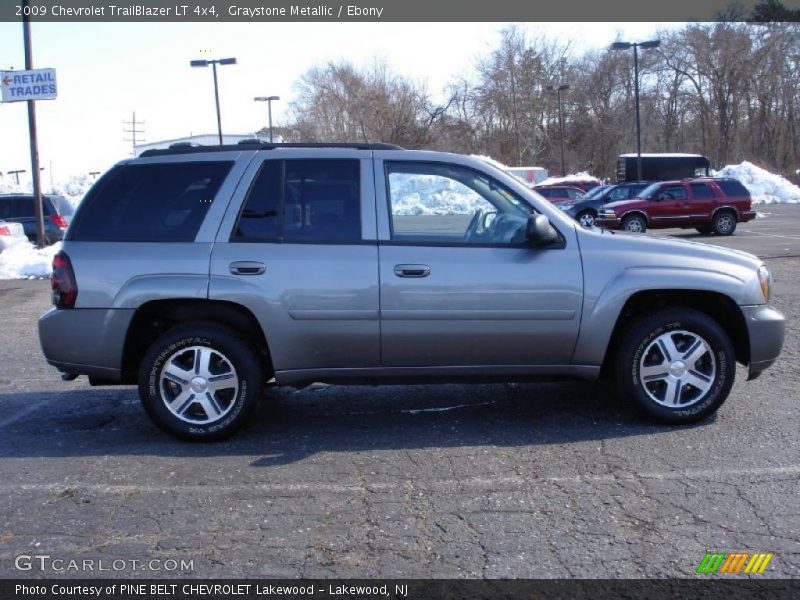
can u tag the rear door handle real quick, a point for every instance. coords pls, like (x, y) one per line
(412, 270)
(247, 267)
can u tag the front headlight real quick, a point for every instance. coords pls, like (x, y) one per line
(765, 279)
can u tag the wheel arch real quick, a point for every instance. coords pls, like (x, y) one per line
(157, 316)
(716, 305)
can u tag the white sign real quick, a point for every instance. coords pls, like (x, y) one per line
(37, 84)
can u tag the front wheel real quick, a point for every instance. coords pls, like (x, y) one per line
(200, 381)
(634, 224)
(677, 365)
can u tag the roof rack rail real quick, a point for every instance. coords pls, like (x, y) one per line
(187, 148)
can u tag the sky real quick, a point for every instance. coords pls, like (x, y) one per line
(106, 71)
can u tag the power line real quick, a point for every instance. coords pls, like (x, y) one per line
(134, 138)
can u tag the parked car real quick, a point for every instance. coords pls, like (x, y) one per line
(205, 274)
(11, 234)
(559, 193)
(710, 205)
(585, 210)
(19, 208)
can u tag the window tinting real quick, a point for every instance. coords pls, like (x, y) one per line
(732, 187)
(701, 190)
(674, 192)
(150, 203)
(303, 201)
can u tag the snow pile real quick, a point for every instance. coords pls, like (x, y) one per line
(432, 195)
(24, 261)
(582, 176)
(764, 187)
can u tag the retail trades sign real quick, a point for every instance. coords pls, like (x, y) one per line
(36, 84)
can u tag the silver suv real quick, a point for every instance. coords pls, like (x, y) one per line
(204, 274)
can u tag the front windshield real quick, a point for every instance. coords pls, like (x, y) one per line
(595, 191)
(649, 192)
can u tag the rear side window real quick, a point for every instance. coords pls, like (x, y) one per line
(150, 203)
(701, 190)
(298, 200)
(732, 187)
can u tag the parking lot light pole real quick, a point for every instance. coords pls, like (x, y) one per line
(558, 91)
(636, 46)
(268, 100)
(214, 63)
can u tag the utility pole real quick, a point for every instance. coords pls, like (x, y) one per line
(35, 174)
(15, 174)
(134, 132)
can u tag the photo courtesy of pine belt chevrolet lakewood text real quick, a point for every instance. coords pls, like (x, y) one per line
(206, 274)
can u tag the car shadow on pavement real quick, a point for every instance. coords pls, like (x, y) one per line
(291, 425)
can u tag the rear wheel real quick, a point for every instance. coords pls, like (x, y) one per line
(634, 224)
(586, 218)
(677, 365)
(724, 222)
(200, 381)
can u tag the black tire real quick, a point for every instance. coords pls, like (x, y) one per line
(634, 223)
(586, 218)
(230, 351)
(724, 222)
(704, 229)
(640, 336)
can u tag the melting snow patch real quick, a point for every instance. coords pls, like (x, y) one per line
(25, 261)
(572, 177)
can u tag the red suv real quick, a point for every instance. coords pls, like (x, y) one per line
(710, 205)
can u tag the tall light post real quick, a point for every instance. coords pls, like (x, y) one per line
(214, 63)
(268, 100)
(636, 46)
(558, 91)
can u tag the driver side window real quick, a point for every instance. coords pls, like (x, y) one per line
(440, 203)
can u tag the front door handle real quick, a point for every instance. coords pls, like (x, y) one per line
(412, 270)
(247, 267)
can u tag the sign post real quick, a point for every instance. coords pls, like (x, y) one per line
(30, 85)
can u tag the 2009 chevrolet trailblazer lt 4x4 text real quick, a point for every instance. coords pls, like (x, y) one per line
(202, 273)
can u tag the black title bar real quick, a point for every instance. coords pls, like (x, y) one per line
(271, 11)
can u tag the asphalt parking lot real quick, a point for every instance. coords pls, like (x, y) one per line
(514, 480)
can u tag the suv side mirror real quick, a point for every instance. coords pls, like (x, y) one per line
(539, 231)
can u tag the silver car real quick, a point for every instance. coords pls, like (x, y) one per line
(201, 274)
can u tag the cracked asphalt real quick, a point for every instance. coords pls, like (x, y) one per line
(508, 480)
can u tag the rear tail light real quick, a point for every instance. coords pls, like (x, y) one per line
(59, 221)
(62, 282)
(5, 231)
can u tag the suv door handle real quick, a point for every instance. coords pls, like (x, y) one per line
(412, 270)
(247, 267)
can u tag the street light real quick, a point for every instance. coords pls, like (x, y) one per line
(558, 91)
(268, 100)
(214, 63)
(636, 46)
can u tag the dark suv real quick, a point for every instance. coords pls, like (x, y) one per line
(710, 205)
(584, 210)
(18, 208)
